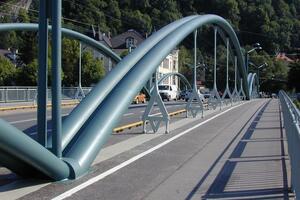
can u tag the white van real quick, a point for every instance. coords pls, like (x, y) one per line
(168, 92)
(190, 93)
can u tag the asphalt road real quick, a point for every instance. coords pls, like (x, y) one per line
(26, 120)
(199, 159)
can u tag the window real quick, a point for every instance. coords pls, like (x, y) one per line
(160, 75)
(166, 63)
(174, 64)
(174, 80)
(129, 42)
(164, 87)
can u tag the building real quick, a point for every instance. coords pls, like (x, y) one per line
(129, 40)
(125, 42)
(104, 39)
(169, 65)
(283, 57)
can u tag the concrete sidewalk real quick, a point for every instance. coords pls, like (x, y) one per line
(258, 167)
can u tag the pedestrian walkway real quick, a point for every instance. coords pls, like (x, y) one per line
(258, 166)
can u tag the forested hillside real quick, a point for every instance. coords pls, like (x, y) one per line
(275, 24)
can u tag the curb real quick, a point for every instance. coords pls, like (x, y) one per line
(63, 104)
(34, 106)
(140, 123)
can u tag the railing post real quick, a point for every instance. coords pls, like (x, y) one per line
(79, 70)
(215, 57)
(5, 95)
(27, 94)
(195, 60)
(227, 62)
(42, 74)
(235, 77)
(56, 78)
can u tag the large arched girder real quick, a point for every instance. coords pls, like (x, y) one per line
(91, 137)
(73, 34)
(22, 157)
(252, 80)
(181, 76)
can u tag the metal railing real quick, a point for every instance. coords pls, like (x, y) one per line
(291, 116)
(29, 94)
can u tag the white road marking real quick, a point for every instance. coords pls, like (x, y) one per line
(21, 121)
(31, 119)
(127, 114)
(33, 133)
(135, 158)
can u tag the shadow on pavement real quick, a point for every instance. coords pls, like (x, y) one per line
(250, 177)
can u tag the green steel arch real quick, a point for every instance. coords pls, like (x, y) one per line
(91, 137)
(175, 74)
(73, 34)
(87, 128)
(252, 81)
(91, 102)
(23, 160)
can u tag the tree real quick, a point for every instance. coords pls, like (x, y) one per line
(30, 72)
(7, 72)
(28, 41)
(138, 21)
(93, 69)
(185, 58)
(124, 53)
(293, 76)
(8, 39)
(70, 58)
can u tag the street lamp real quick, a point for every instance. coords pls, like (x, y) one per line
(198, 65)
(256, 46)
(258, 68)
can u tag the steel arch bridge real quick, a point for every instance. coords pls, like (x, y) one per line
(88, 126)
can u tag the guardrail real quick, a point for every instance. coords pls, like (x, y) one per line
(27, 94)
(291, 116)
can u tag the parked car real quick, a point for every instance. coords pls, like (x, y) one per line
(140, 98)
(168, 92)
(206, 95)
(182, 94)
(189, 94)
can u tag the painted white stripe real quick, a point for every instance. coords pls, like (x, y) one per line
(33, 133)
(21, 121)
(127, 114)
(28, 120)
(133, 159)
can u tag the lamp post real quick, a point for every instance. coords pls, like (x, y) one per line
(258, 68)
(198, 65)
(256, 47)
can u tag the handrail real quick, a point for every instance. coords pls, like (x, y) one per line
(291, 116)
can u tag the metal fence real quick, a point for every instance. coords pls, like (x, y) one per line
(28, 94)
(291, 116)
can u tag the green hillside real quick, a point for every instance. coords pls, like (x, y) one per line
(275, 24)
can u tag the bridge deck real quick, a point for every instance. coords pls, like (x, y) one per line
(230, 154)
